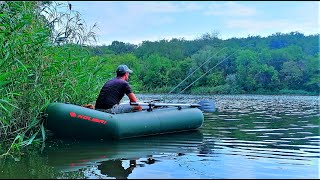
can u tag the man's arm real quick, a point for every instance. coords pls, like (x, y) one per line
(132, 97)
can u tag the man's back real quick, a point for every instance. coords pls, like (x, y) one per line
(112, 92)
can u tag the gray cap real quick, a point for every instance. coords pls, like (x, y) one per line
(123, 68)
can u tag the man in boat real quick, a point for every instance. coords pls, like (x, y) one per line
(113, 91)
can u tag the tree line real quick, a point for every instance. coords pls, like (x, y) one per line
(282, 63)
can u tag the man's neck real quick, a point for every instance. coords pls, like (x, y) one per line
(123, 78)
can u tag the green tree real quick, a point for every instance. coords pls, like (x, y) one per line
(121, 48)
(267, 78)
(154, 74)
(247, 67)
(312, 73)
(291, 75)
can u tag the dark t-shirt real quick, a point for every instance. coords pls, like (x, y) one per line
(112, 92)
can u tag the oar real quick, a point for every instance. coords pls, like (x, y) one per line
(163, 104)
(204, 105)
(207, 106)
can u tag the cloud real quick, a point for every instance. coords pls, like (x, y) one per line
(134, 17)
(171, 36)
(191, 6)
(295, 16)
(137, 21)
(152, 7)
(272, 26)
(230, 9)
(308, 11)
(162, 7)
(138, 40)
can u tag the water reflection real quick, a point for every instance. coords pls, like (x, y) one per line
(115, 168)
(109, 156)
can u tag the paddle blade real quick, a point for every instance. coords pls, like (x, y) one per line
(207, 106)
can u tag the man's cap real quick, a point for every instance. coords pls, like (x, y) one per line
(123, 68)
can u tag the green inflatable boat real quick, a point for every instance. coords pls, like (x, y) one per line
(68, 120)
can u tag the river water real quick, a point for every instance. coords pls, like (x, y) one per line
(249, 136)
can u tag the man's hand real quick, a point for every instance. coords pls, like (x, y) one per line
(137, 108)
(132, 98)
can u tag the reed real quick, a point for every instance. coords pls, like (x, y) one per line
(43, 59)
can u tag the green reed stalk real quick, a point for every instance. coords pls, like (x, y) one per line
(34, 70)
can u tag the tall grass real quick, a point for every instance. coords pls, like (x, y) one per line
(42, 61)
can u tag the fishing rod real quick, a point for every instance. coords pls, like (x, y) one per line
(196, 70)
(203, 75)
(210, 70)
(204, 105)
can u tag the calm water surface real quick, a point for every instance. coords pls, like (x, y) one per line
(250, 136)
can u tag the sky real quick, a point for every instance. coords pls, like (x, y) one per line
(137, 21)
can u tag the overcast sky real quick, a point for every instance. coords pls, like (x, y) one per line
(137, 21)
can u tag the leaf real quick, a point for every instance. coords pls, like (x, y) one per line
(3, 76)
(43, 137)
(32, 138)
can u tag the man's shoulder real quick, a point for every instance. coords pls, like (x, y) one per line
(117, 81)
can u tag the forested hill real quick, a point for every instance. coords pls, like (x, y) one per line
(277, 64)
